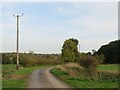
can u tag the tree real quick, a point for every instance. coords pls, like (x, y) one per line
(94, 52)
(89, 53)
(31, 52)
(111, 52)
(70, 50)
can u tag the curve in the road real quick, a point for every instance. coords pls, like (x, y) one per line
(42, 78)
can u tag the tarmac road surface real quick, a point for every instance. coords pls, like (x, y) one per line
(42, 78)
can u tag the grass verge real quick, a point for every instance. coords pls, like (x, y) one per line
(12, 78)
(77, 81)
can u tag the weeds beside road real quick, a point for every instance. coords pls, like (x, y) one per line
(12, 78)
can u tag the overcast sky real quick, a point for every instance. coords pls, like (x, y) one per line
(45, 26)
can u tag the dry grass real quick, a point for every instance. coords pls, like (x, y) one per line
(72, 69)
(69, 66)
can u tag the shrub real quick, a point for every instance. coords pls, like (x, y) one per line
(100, 58)
(31, 59)
(28, 60)
(89, 63)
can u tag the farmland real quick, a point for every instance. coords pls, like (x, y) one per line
(109, 67)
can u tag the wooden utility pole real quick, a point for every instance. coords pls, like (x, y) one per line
(17, 46)
(79, 46)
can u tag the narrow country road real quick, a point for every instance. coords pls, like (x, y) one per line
(42, 78)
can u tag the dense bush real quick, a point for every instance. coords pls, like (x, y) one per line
(8, 58)
(32, 60)
(90, 64)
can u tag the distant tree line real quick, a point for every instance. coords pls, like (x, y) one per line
(31, 59)
(111, 52)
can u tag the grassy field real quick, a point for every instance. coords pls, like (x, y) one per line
(0, 76)
(13, 78)
(109, 67)
(78, 82)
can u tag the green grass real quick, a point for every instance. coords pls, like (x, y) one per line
(109, 67)
(13, 83)
(0, 76)
(83, 83)
(17, 78)
(22, 77)
(92, 84)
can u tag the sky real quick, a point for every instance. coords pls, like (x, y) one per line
(46, 25)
